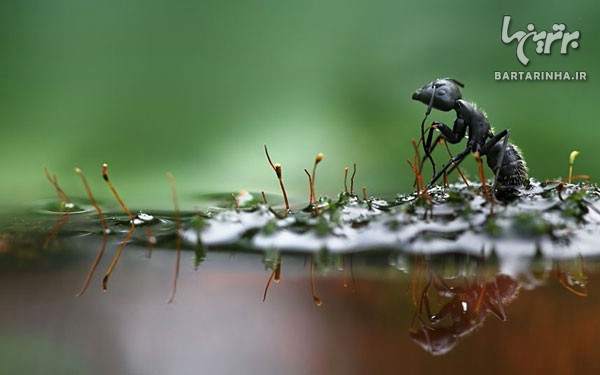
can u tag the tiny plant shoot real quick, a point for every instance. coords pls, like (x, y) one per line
(129, 234)
(328, 223)
(105, 232)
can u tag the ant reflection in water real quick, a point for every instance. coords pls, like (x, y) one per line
(468, 299)
(465, 308)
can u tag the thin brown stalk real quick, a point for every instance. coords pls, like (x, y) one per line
(277, 168)
(316, 300)
(346, 180)
(462, 176)
(64, 202)
(114, 191)
(178, 238)
(113, 264)
(352, 179)
(104, 233)
(237, 203)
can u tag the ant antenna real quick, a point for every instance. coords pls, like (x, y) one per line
(429, 107)
(178, 238)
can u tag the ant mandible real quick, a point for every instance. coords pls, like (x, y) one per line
(503, 158)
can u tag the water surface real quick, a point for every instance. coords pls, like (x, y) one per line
(219, 323)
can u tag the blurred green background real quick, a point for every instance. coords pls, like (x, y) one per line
(197, 87)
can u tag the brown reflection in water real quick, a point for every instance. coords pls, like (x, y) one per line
(464, 309)
(466, 300)
(219, 323)
(451, 306)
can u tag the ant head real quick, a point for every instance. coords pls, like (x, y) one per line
(440, 94)
(437, 341)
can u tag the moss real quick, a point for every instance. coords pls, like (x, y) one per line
(457, 216)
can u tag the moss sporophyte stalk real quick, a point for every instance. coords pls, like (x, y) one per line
(550, 217)
(458, 241)
(511, 215)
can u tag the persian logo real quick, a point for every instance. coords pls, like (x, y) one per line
(544, 40)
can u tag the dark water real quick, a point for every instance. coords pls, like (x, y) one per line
(219, 323)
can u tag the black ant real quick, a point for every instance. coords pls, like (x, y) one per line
(503, 158)
(465, 309)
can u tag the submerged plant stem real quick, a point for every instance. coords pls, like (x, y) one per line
(117, 256)
(94, 265)
(178, 236)
(104, 233)
(64, 202)
(129, 234)
(316, 300)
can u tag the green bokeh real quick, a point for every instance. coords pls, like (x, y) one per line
(197, 87)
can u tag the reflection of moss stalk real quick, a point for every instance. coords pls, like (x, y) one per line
(316, 300)
(104, 233)
(63, 202)
(275, 276)
(129, 234)
(177, 235)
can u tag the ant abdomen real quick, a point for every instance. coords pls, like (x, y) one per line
(513, 172)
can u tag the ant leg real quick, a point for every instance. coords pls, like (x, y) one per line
(430, 144)
(449, 167)
(453, 135)
(428, 148)
(485, 149)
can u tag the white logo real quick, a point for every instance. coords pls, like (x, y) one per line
(543, 39)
